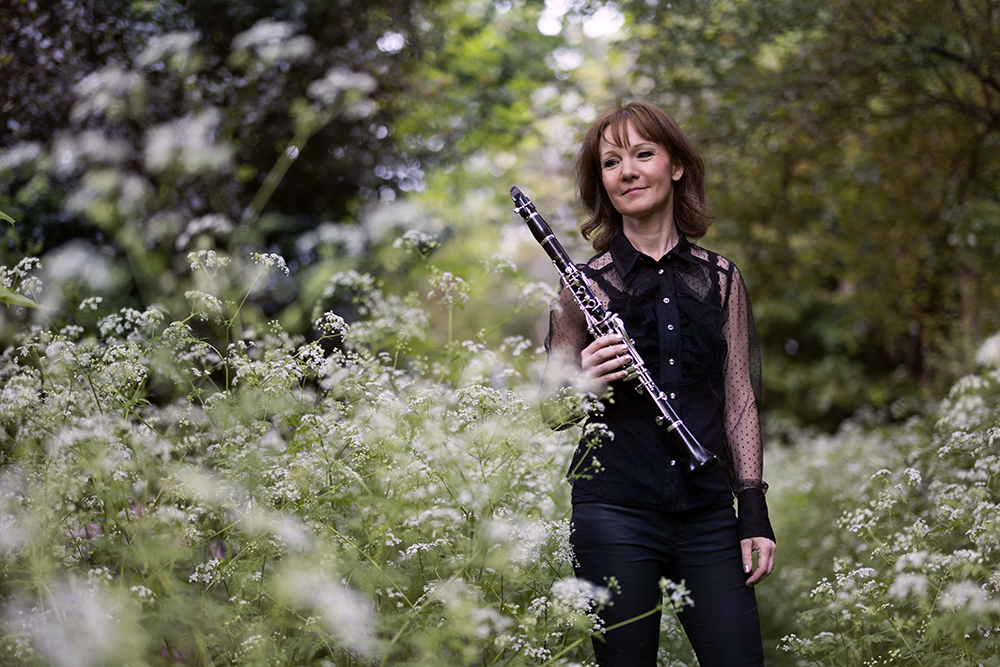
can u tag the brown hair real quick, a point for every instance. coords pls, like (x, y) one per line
(691, 214)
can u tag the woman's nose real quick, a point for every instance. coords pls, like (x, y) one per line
(628, 170)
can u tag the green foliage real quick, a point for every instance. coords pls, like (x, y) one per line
(177, 143)
(851, 155)
(18, 288)
(894, 559)
(476, 91)
(11, 298)
(154, 185)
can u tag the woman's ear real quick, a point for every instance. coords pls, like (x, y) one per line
(678, 172)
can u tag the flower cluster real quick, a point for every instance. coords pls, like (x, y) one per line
(911, 576)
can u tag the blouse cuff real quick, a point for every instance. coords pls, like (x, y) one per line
(752, 518)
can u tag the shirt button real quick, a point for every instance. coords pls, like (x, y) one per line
(672, 396)
(673, 463)
(671, 362)
(666, 299)
(670, 327)
(660, 272)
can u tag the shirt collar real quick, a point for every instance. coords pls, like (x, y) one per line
(625, 255)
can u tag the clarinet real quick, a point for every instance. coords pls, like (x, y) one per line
(600, 322)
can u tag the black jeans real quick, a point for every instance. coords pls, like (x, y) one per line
(637, 547)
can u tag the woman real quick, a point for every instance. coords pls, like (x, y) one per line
(637, 518)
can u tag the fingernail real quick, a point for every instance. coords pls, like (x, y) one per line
(746, 569)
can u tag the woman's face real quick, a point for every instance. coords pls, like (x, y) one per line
(639, 176)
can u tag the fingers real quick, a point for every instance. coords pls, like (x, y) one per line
(766, 550)
(606, 359)
(746, 547)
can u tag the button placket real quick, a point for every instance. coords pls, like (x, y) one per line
(668, 320)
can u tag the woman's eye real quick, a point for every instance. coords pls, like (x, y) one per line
(608, 164)
(645, 153)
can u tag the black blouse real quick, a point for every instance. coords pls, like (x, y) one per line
(690, 319)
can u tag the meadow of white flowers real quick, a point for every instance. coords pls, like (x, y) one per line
(321, 501)
(890, 535)
(302, 503)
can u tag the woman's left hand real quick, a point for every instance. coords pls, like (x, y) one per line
(765, 549)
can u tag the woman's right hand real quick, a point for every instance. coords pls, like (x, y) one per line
(605, 360)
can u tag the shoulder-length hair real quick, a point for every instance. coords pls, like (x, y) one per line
(691, 213)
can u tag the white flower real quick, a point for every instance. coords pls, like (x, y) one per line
(273, 41)
(678, 595)
(337, 80)
(22, 153)
(343, 612)
(100, 187)
(989, 352)
(500, 263)
(188, 144)
(207, 259)
(143, 593)
(270, 259)
(449, 289)
(179, 45)
(578, 594)
(416, 241)
(79, 629)
(106, 92)
(391, 42)
(214, 223)
(71, 150)
(206, 304)
(332, 324)
(525, 539)
(251, 643)
(205, 572)
(967, 595)
(91, 303)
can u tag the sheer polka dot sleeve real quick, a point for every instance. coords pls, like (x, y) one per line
(742, 418)
(568, 335)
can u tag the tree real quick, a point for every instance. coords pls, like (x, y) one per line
(852, 148)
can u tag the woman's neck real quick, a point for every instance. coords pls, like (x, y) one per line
(654, 240)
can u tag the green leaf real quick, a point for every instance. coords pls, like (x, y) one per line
(6, 217)
(14, 299)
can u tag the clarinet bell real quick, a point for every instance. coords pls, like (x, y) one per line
(699, 461)
(695, 456)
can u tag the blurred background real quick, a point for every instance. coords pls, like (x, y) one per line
(851, 150)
